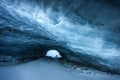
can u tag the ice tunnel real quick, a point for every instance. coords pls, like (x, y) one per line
(83, 31)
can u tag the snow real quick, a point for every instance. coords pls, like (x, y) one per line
(51, 69)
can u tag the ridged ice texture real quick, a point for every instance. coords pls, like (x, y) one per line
(86, 32)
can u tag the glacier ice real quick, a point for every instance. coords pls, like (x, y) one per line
(30, 28)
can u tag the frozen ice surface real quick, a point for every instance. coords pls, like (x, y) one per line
(45, 69)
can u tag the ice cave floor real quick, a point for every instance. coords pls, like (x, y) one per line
(51, 69)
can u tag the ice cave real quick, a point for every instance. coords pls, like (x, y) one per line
(80, 33)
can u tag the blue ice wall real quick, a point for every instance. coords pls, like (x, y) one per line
(83, 31)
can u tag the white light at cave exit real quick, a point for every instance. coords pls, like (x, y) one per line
(53, 54)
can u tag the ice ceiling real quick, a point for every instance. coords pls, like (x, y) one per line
(83, 31)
